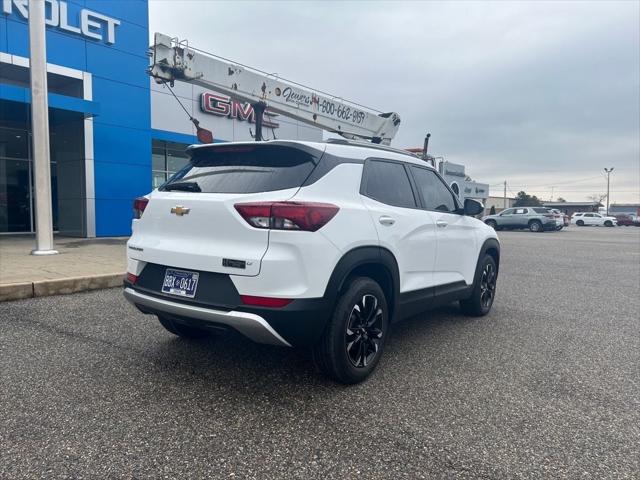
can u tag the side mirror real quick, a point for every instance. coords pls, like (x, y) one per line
(472, 207)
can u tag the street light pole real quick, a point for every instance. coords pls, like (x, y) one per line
(608, 171)
(40, 129)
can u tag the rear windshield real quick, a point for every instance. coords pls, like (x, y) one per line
(243, 169)
(541, 210)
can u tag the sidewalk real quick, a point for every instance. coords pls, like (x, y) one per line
(82, 264)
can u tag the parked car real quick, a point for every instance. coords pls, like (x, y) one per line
(536, 219)
(582, 219)
(312, 245)
(562, 220)
(624, 220)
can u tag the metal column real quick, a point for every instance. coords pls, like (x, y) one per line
(40, 129)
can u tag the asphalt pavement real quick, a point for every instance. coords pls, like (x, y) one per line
(546, 386)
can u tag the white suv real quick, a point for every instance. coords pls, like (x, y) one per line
(318, 245)
(591, 218)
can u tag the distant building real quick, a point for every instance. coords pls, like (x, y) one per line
(498, 203)
(454, 174)
(572, 207)
(628, 208)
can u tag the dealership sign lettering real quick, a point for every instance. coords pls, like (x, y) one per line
(88, 24)
(223, 106)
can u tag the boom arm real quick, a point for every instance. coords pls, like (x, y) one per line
(172, 60)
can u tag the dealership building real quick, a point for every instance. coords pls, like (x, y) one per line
(114, 133)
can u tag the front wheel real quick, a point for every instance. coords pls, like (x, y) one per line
(484, 289)
(608, 223)
(580, 223)
(352, 343)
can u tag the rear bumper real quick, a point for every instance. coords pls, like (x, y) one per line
(249, 324)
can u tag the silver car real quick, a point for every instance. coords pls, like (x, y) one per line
(536, 219)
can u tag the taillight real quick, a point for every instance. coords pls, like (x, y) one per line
(304, 216)
(131, 278)
(265, 301)
(139, 204)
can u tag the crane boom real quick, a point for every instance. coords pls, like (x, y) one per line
(172, 60)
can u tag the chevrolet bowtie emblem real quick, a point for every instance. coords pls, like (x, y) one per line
(180, 211)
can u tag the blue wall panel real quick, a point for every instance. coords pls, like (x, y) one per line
(121, 98)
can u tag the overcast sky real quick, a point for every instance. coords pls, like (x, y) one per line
(542, 94)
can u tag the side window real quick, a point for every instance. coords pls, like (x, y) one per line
(521, 211)
(508, 211)
(388, 183)
(435, 194)
(588, 214)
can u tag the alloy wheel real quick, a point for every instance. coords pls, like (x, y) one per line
(488, 285)
(364, 331)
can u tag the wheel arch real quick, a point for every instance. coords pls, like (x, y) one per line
(374, 262)
(491, 247)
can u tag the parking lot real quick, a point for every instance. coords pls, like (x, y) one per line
(546, 386)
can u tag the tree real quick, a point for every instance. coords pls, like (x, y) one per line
(597, 197)
(525, 200)
(561, 200)
(493, 210)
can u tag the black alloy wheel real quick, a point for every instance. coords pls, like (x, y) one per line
(488, 286)
(580, 223)
(364, 331)
(353, 341)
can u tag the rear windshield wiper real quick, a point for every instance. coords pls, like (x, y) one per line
(184, 186)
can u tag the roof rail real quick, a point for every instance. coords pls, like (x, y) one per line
(375, 146)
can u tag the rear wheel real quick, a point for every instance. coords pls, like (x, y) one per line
(580, 223)
(182, 330)
(353, 341)
(484, 289)
(535, 225)
(492, 224)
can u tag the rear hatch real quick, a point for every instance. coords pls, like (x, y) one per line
(191, 221)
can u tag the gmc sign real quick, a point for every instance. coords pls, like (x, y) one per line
(223, 106)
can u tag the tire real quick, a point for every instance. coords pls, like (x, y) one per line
(484, 289)
(535, 226)
(580, 223)
(559, 227)
(492, 224)
(608, 223)
(349, 350)
(180, 330)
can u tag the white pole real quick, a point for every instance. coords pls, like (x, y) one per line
(40, 129)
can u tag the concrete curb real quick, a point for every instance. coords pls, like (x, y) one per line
(61, 286)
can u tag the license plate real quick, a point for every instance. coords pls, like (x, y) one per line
(180, 282)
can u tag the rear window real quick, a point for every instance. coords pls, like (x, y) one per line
(244, 169)
(540, 210)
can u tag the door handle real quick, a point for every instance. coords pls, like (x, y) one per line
(441, 223)
(386, 220)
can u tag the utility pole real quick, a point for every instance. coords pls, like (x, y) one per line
(40, 129)
(608, 172)
(504, 206)
(552, 188)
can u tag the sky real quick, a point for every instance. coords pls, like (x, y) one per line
(542, 94)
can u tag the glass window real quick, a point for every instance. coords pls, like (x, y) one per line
(508, 211)
(520, 211)
(544, 210)
(388, 183)
(435, 194)
(167, 158)
(247, 169)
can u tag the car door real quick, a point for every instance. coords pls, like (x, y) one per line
(456, 254)
(588, 219)
(402, 227)
(520, 217)
(505, 218)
